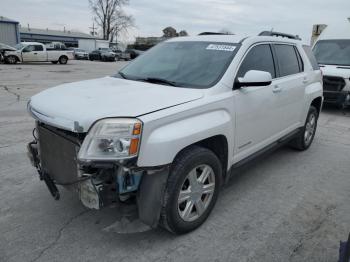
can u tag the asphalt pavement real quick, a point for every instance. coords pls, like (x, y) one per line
(288, 206)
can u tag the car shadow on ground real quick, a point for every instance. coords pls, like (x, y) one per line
(336, 110)
(128, 226)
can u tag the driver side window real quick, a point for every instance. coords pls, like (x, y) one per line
(259, 58)
(29, 48)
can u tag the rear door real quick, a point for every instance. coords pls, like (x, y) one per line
(28, 54)
(289, 85)
(39, 53)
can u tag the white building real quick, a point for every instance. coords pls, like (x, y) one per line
(9, 33)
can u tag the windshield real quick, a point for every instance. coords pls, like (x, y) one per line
(19, 46)
(190, 64)
(333, 52)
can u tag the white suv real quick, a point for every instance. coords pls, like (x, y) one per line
(172, 126)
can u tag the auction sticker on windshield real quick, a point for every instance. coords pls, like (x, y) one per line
(228, 48)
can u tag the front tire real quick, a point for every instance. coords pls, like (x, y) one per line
(11, 59)
(192, 190)
(305, 138)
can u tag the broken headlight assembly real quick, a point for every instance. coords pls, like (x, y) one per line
(112, 139)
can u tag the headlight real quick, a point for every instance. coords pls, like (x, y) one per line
(112, 139)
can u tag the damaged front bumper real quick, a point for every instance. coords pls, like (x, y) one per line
(340, 98)
(98, 184)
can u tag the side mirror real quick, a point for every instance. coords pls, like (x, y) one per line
(254, 78)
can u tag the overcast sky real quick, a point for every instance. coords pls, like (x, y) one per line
(151, 16)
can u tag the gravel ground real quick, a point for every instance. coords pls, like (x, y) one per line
(290, 206)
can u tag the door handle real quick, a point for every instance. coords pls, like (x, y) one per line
(277, 89)
(35, 53)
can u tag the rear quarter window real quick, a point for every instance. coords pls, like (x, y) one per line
(311, 57)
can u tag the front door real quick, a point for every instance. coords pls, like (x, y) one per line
(33, 53)
(257, 117)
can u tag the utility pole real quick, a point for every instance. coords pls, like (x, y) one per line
(93, 29)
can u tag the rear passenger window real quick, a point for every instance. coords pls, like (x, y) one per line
(311, 57)
(38, 48)
(288, 62)
(258, 58)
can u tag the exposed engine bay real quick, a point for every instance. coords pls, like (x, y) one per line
(54, 154)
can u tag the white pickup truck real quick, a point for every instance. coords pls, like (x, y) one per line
(37, 52)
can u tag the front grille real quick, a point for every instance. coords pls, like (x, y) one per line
(333, 83)
(331, 97)
(58, 153)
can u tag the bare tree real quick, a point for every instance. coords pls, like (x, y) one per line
(122, 22)
(109, 15)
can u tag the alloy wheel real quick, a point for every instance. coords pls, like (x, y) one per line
(310, 129)
(196, 193)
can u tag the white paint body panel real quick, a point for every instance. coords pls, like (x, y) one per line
(92, 44)
(88, 101)
(174, 118)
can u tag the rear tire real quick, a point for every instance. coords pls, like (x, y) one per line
(191, 191)
(63, 60)
(304, 139)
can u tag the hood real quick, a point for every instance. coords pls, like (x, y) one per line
(76, 106)
(4, 47)
(334, 70)
(13, 52)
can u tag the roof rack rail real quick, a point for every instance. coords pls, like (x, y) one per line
(272, 33)
(214, 33)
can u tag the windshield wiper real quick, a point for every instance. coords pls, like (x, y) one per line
(159, 80)
(123, 75)
(151, 80)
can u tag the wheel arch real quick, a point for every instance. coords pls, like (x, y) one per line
(317, 103)
(63, 56)
(219, 146)
(18, 59)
